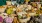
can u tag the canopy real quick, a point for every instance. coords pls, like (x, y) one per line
(2, 2)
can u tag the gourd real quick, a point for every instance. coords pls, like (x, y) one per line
(19, 16)
(34, 4)
(9, 11)
(37, 15)
(41, 10)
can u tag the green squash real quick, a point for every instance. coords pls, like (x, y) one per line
(37, 15)
(19, 16)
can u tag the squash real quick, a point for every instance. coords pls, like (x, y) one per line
(9, 11)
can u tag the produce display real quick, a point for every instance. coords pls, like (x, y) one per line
(24, 13)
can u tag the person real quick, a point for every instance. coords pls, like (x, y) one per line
(8, 19)
(15, 20)
(1, 19)
(2, 2)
